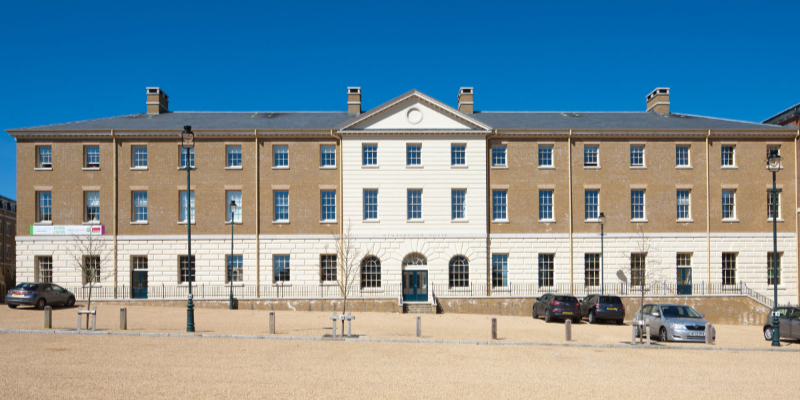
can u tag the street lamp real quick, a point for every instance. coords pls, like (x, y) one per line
(774, 165)
(230, 262)
(187, 138)
(602, 218)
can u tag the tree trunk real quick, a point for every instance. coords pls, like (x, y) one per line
(89, 306)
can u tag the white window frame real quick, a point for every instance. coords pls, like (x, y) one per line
(275, 207)
(453, 157)
(551, 165)
(275, 153)
(323, 153)
(364, 205)
(505, 156)
(688, 164)
(410, 159)
(643, 163)
(409, 217)
(732, 165)
(322, 206)
(237, 215)
(182, 154)
(733, 217)
(596, 164)
(551, 205)
(365, 159)
(769, 200)
(136, 161)
(87, 166)
(230, 157)
(41, 165)
(191, 205)
(86, 198)
(505, 206)
(688, 217)
(597, 209)
(643, 218)
(135, 217)
(453, 205)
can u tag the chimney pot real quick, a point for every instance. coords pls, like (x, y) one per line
(465, 104)
(658, 100)
(157, 101)
(354, 100)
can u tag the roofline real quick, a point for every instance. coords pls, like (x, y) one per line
(792, 108)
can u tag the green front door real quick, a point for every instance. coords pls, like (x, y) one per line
(139, 285)
(685, 281)
(415, 285)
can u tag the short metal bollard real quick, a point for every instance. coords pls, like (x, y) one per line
(80, 312)
(93, 313)
(334, 318)
(709, 333)
(123, 319)
(494, 328)
(48, 317)
(350, 318)
(94, 318)
(633, 333)
(568, 330)
(272, 322)
(647, 333)
(419, 326)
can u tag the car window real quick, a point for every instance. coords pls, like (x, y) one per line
(610, 299)
(567, 299)
(793, 313)
(655, 311)
(783, 311)
(58, 288)
(545, 297)
(679, 312)
(26, 286)
(48, 288)
(647, 309)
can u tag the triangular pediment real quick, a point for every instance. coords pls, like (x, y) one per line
(414, 111)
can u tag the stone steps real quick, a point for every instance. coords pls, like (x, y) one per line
(418, 308)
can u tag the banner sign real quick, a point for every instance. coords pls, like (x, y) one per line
(68, 230)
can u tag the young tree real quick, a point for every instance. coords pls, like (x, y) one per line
(644, 271)
(348, 257)
(88, 254)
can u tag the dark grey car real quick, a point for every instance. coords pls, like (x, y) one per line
(557, 306)
(39, 295)
(790, 323)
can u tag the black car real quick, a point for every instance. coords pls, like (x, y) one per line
(39, 295)
(603, 308)
(557, 306)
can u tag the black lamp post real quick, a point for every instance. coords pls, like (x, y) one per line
(187, 137)
(774, 165)
(602, 218)
(230, 262)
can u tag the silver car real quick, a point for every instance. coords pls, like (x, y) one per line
(674, 322)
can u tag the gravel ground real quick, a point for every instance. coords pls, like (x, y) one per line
(143, 367)
(372, 325)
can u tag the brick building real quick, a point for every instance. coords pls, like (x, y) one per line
(439, 199)
(8, 245)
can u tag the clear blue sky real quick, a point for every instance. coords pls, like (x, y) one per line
(66, 61)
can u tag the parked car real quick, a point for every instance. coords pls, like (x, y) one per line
(790, 323)
(557, 306)
(674, 322)
(39, 295)
(598, 308)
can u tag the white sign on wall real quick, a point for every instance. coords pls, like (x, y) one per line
(55, 230)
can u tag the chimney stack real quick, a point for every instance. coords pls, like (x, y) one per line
(157, 101)
(354, 100)
(465, 100)
(658, 100)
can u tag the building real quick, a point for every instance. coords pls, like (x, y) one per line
(439, 199)
(8, 245)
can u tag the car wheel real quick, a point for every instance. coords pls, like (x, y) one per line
(534, 313)
(40, 304)
(12, 306)
(767, 333)
(70, 302)
(592, 318)
(547, 317)
(662, 334)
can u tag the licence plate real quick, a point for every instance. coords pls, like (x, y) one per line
(697, 333)
(17, 295)
(567, 312)
(612, 308)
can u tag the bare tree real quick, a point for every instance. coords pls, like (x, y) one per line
(88, 254)
(348, 257)
(643, 273)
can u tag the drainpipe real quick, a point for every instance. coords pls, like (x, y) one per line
(116, 199)
(569, 168)
(488, 152)
(796, 199)
(340, 192)
(258, 217)
(708, 216)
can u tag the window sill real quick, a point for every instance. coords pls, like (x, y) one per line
(499, 166)
(779, 220)
(184, 223)
(684, 167)
(458, 167)
(235, 223)
(333, 221)
(547, 167)
(43, 223)
(591, 167)
(415, 221)
(91, 223)
(138, 168)
(499, 221)
(138, 222)
(683, 221)
(278, 167)
(91, 169)
(638, 167)
(547, 221)
(730, 220)
(371, 290)
(280, 222)
(729, 167)
(592, 220)
(459, 221)
(43, 169)
(370, 166)
(638, 221)
(415, 166)
(328, 167)
(184, 168)
(235, 168)
(371, 221)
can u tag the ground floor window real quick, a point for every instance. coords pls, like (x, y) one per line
(327, 263)
(235, 269)
(591, 270)
(187, 270)
(281, 268)
(773, 278)
(139, 263)
(45, 265)
(499, 270)
(728, 268)
(638, 269)
(91, 269)
(459, 272)
(546, 270)
(371, 272)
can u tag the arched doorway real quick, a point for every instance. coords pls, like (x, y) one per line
(415, 279)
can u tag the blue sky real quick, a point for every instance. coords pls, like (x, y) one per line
(67, 61)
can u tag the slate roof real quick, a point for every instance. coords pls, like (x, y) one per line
(609, 120)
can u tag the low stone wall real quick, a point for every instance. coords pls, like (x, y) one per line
(355, 305)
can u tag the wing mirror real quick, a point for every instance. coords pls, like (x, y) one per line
(702, 315)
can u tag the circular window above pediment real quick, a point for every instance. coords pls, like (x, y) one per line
(414, 115)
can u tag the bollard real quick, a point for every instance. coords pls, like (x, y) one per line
(272, 322)
(709, 334)
(494, 328)
(568, 329)
(334, 319)
(48, 317)
(419, 326)
(123, 319)
(647, 333)
(94, 318)
(349, 320)
(80, 308)
(633, 333)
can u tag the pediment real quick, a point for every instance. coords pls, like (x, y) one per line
(414, 111)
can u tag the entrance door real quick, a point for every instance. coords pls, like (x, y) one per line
(139, 284)
(415, 285)
(685, 281)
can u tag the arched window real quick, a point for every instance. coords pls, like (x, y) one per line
(459, 272)
(414, 260)
(370, 272)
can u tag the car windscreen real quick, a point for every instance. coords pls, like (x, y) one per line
(566, 299)
(679, 312)
(26, 286)
(610, 299)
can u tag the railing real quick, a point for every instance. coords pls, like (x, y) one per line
(438, 291)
